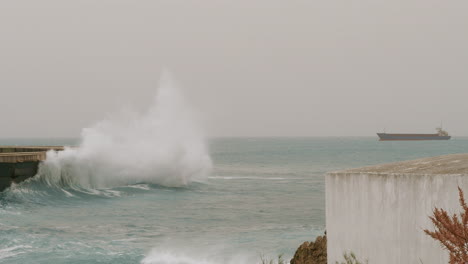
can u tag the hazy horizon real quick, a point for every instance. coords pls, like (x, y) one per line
(251, 69)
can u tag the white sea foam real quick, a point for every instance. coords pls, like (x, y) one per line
(163, 145)
(250, 178)
(168, 257)
(13, 251)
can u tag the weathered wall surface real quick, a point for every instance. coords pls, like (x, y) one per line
(381, 216)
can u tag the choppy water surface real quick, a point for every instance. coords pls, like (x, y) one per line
(263, 196)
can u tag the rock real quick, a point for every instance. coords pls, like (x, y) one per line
(312, 252)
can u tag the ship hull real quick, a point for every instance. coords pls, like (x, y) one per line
(397, 137)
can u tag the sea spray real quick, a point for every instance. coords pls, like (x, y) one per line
(164, 146)
(171, 257)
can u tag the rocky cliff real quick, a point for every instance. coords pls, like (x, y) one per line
(312, 252)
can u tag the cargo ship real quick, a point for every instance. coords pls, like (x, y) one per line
(440, 135)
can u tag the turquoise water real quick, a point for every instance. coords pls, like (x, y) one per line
(264, 195)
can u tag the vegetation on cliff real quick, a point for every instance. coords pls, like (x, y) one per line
(351, 259)
(265, 260)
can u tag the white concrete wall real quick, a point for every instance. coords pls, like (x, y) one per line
(381, 218)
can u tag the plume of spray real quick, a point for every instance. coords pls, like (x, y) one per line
(163, 146)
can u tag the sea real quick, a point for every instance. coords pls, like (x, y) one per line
(262, 197)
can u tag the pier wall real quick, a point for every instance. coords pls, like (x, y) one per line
(16, 172)
(18, 163)
(380, 216)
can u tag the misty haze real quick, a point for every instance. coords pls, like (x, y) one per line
(233, 132)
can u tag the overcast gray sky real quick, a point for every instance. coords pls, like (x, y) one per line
(253, 68)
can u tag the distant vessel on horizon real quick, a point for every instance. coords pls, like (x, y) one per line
(440, 135)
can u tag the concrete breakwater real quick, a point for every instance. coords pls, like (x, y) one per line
(18, 163)
(380, 212)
